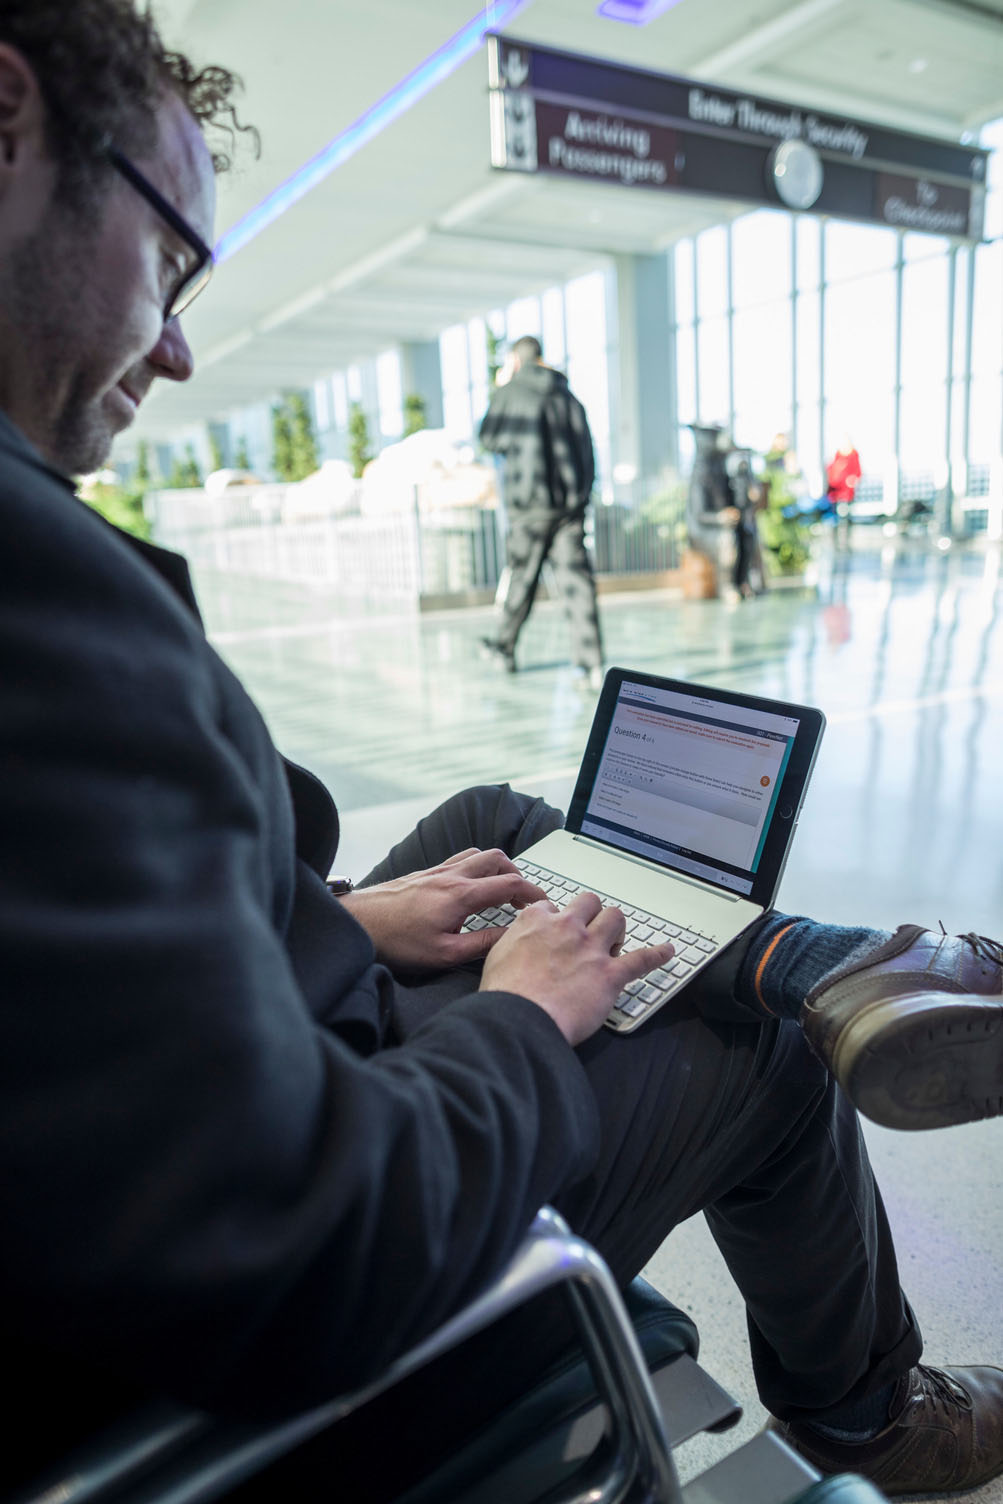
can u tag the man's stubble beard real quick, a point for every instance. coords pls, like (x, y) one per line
(45, 297)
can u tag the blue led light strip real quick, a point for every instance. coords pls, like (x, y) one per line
(634, 12)
(426, 76)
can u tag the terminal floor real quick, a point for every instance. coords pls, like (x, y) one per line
(902, 649)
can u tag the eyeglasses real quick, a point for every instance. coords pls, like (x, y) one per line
(190, 283)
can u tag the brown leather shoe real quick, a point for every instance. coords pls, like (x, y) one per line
(913, 1030)
(947, 1433)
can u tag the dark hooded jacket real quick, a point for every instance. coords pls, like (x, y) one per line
(539, 427)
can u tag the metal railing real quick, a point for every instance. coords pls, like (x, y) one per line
(394, 557)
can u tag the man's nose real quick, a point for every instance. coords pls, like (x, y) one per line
(171, 356)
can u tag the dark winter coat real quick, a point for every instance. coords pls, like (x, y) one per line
(540, 429)
(219, 1179)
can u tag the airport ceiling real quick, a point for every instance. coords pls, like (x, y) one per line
(416, 231)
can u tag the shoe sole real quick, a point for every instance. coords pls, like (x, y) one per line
(926, 1061)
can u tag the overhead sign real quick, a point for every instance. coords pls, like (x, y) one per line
(559, 112)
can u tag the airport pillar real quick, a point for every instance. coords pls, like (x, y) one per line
(421, 375)
(642, 383)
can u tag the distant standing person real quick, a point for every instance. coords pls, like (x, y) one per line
(842, 478)
(539, 428)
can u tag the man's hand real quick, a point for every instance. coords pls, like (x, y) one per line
(569, 962)
(414, 921)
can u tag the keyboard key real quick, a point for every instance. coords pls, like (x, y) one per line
(631, 1006)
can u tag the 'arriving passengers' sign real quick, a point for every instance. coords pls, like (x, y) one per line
(576, 116)
(591, 143)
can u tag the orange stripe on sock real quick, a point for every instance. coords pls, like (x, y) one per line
(762, 966)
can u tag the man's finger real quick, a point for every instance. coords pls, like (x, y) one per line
(460, 856)
(585, 906)
(503, 887)
(611, 928)
(478, 863)
(637, 963)
(473, 945)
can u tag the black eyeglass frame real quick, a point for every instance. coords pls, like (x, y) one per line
(195, 280)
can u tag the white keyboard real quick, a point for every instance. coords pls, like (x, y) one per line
(640, 998)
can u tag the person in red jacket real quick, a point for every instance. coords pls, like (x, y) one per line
(842, 477)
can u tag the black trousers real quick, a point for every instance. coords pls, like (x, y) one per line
(732, 1117)
(704, 1108)
(530, 542)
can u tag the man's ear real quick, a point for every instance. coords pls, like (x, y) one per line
(22, 111)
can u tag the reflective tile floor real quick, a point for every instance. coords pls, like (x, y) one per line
(902, 649)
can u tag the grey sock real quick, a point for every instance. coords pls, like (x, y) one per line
(792, 955)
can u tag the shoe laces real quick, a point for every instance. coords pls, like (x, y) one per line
(941, 1391)
(985, 948)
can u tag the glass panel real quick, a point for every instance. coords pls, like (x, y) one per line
(808, 442)
(585, 321)
(961, 262)
(353, 377)
(987, 314)
(712, 271)
(922, 425)
(712, 339)
(924, 322)
(686, 374)
(922, 247)
(985, 439)
(321, 404)
(454, 360)
(477, 346)
(477, 341)
(860, 367)
(389, 394)
(854, 250)
(762, 352)
(687, 450)
(523, 317)
(957, 422)
(760, 257)
(554, 351)
(587, 357)
(339, 392)
(808, 315)
(453, 356)
(683, 268)
(808, 243)
(458, 419)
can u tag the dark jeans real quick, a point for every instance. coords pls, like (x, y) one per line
(722, 1114)
(734, 1118)
(530, 543)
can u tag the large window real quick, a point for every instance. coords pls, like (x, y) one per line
(827, 330)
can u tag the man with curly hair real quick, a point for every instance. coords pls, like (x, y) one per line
(256, 1139)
